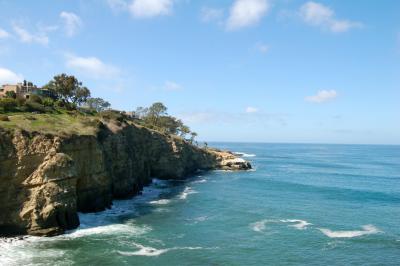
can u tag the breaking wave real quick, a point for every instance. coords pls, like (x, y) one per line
(160, 202)
(150, 251)
(187, 191)
(259, 226)
(367, 230)
(243, 154)
(298, 224)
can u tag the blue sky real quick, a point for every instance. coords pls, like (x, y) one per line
(234, 70)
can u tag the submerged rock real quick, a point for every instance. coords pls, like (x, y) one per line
(46, 179)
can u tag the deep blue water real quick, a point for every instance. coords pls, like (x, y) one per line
(302, 205)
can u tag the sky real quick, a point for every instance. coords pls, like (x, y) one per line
(233, 70)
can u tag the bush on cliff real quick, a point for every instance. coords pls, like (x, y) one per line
(35, 99)
(34, 107)
(8, 104)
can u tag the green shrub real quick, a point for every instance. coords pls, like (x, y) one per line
(49, 102)
(113, 115)
(21, 101)
(8, 104)
(4, 118)
(35, 98)
(60, 103)
(34, 107)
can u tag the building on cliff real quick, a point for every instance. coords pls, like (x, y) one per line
(24, 90)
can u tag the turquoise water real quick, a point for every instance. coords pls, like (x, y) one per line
(303, 205)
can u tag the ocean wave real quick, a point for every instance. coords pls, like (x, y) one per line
(187, 191)
(107, 230)
(298, 224)
(200, 181)
(367, 230)
(260, 226)
(150, 251)
(160, 202)
(22, 250)
(243, 154)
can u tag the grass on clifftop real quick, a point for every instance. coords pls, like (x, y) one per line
(52, 123)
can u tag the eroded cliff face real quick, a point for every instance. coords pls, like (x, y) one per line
(45, 179)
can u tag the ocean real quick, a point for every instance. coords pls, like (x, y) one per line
(302, 204)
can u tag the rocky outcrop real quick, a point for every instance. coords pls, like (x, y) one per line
(45, 180)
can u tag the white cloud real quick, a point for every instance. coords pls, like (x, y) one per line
(27, 37)
(172, 86)
(262, 47)
(91, 66)
(318, 15)
(322, 96)
(208, 14)
(4, 34)
(150, 8)
(244, 13)
(251, 110)
(72, 22)
(8, 76)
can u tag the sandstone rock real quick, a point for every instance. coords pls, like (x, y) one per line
(45, 180)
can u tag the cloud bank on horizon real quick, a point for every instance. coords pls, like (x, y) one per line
(244, 60)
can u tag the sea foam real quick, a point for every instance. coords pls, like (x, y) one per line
(110, 229)
(367, 230)
(298, 224)
(243, 154)
(259, 226)
(187, 191)
(150, 251)
(160, 202)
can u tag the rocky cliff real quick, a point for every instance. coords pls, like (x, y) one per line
(46, 179)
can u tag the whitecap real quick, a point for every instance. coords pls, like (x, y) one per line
(107, 230)
(259, 226)
(298, 224)
(367, 230)
(150, 251)
(187, 191)
(243, 154)
(200, 181)
(160, 201)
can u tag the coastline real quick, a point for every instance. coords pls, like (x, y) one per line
(47, 179)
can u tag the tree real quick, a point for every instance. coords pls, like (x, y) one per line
(193, 135)
(97, 104)
(184, 130)
(68, 89)
(155, 111)
(169, 124)
(81, 95)
(156, 117)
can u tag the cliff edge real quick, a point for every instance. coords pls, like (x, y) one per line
(47, 178)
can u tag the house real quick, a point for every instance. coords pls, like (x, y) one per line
(24, 90)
